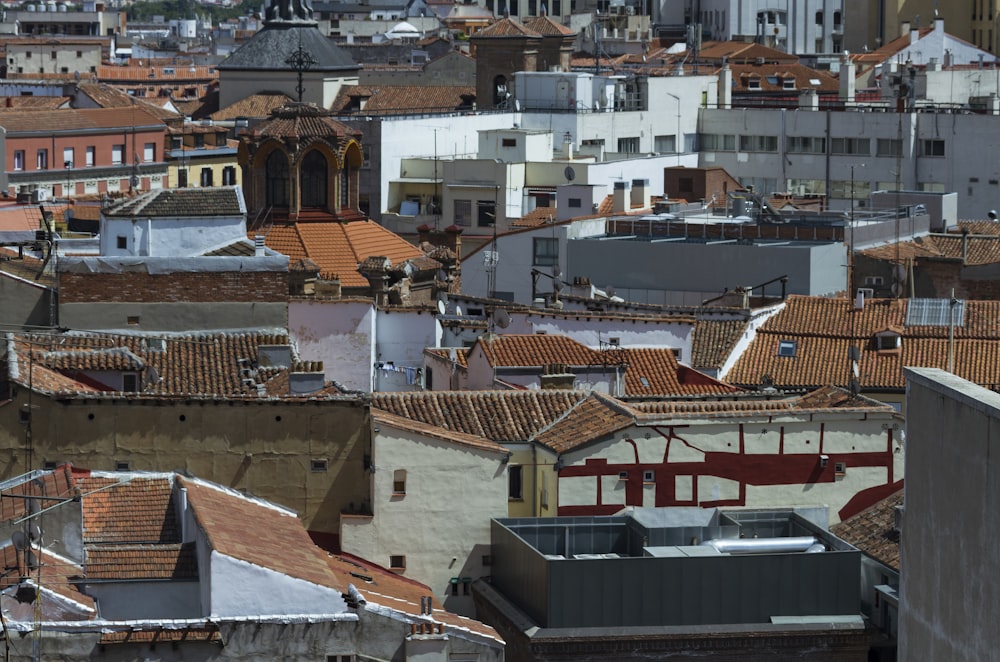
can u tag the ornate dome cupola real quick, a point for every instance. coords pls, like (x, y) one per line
(267, 62)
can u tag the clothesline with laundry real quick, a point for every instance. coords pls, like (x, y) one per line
(412, 373)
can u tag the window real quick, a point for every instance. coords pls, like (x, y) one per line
(429, 379)
(397, 562)
(873, 280)
(121, 241)
(515, 488)
(622, 475)
(753, 83)
(758, 143)
(888, 147)
(786, 347)
(546, 251)
(463, 213)
(399, 481)
(574, 203)
(788, 83)
(122, 466)
(42, 160)
(509, 142)
(887, 341)
(206, 177)
(229, 176)
(932, 147)
(487, 560)
(132, 320)
(90, 153)
(19, 159)
(713, 142)
(628, 145)
(649, 476)
(840, 468)
(68, 157)
(130, 383)
(148, 152)
(182, 178)
(319, 466)
(486, 213)
(859, 146)
(806, 145)
(117, 154)
(665, 144)
(79, 53)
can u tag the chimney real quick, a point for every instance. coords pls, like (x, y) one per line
(904, 28)
(859, 300)
(568, 146)
(621, 200)
(809, 100)
(306, 377)
(640, 193)
(725, 85)
(557, 376)
(848, 78)
(258, 245)
(275, 352)
(934, 64)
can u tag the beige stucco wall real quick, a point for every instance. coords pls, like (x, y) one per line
(442, 522)
(263, 448)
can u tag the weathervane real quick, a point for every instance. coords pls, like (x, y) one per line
(300, 60)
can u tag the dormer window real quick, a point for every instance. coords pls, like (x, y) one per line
(788, 84)
(888, 341)
(753, 83)
(787, 347)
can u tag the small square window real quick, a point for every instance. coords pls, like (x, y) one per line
(786, 347)
(122, 466)
(509, 142)
(622, 475)
(319, 466)
(648, 476)
(49, 465)
(399, 481)
(130, 383)
(132, 320)
(840, 468)
(121, 242)
(487, 560)
(397, 562)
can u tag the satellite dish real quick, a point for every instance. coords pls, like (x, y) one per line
(19, 540)
(570, 173)
(441, 307)
(34, 532)
(501, 318)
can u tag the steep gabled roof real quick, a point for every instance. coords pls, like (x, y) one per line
(656, 372)
(979, 249)
(338, 248)
(590, 419)
(401, 99)
(500, 416)
(714, 340)
(873, 530)
(818, 332)
(506, 28)
(546, 26)
(534, 350)
(255, 105)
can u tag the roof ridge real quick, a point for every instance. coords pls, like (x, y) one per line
(562, 416)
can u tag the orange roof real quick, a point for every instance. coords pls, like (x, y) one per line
(595, 417)
(255, 105)
(71, 119)
(444, 434)
(506, 27)
(655, 372)
(338, 248)
(982, 249)
(823, 330)
(516, 350)
(873, 530)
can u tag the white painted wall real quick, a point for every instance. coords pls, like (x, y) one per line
(401, 337)
(240, 588)
(180, 237)
(442, 523)
(338, 332)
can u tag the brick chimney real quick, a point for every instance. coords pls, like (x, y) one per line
(557, 376)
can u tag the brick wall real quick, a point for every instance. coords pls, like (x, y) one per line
(232, 286)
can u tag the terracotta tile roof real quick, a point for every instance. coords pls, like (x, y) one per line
(980, 249)
(517, 350)
(873, 531)
(506, 28)
(338, 247)
(655, 372)
(123, 562)
(436, 431)
(181, 73)
(26, 267)
(226, 518)
(714, 340)
(545, 26)
(212, 364)
(590, 419)
(823, 330)
(107, 96)
(461, 355)
(978, 227)
(215, 201)
(772, 77)
(139, 510)
(387, 589)
(59, 575)
(824, 398)
(255, 105)
(33, 103)
(738, 51)
(71, 119)
(501, 416)
(302, 121)
(58, 483)
(25, 218)
(534, 218)
(208, 633)
(401, 99)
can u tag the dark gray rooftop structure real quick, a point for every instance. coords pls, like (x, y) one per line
(181, 202)
(675, 567)
(288, 26)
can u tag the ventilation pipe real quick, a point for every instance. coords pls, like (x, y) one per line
(764, 545)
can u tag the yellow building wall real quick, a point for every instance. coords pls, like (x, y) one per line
(194, 167)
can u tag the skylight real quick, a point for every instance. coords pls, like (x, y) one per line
(786, 347)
